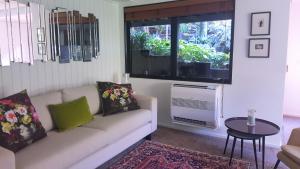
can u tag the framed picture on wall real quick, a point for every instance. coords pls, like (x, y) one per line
(260, 23)
(259, 48)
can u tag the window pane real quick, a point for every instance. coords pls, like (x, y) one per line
(150, 48)
(204, 49)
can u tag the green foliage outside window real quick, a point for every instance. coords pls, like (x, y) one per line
(189, 52)
(192, 47)
(158, 47)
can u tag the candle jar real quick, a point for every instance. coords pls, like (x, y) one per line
(251, 117)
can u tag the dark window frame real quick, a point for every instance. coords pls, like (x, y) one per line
(175, 21)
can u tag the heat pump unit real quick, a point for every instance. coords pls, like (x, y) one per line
(195, 105)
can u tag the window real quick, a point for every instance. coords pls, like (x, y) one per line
(189, 48)
(204, 48)
(150, 48)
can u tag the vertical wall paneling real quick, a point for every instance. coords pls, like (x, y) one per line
(1, 84)
(49, 76)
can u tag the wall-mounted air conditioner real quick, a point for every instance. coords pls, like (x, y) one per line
(195, 105)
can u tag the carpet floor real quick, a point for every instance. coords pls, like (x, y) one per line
(213, 145)
(201, 143)
(154, 155)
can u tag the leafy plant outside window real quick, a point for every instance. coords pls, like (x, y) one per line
(206, 42)
(188, 52)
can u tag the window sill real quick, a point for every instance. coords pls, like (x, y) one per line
(204, 80)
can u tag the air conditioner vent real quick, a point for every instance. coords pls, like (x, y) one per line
(189, 103)
(193, 122)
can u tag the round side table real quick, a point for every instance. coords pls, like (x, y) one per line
(262, 128)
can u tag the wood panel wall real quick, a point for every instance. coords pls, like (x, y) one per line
(51, 76)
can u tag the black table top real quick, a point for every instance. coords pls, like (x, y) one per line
(261, 128)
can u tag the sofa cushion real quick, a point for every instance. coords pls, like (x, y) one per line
(116, 98)
(292, 151)
(7, 158)
(61, 150)
(89, 91)
(19, 122)
(71, 114)
(119, 125)
(41, 103)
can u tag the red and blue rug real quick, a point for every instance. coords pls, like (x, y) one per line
(152, 155)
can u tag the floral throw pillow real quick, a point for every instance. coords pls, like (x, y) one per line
(19, 122)
(116, 98)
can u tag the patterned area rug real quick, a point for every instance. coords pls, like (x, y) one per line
(152, 155)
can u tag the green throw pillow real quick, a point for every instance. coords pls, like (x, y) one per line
(71, 114)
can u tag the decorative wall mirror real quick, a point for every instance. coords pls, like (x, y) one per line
(16, 44)
(16, 30)
(5, 44)
(97, 37)
(40, 28)
(78, 36)
(31, 32)
(18, 21)
(63, 35)
(25, 32)
(87, 38)
(73, 36)
(53, 35)
(94, 35)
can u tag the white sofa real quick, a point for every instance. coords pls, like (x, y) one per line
(84, 147)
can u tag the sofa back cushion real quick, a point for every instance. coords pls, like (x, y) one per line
(41, 103)
(89, 91)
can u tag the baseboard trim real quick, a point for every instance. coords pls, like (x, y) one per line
(206, 132)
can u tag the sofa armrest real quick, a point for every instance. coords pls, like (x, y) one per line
(294, 138)
(7, 159)
(149, 103)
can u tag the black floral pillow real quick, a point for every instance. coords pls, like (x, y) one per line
(19, 122)
(116, 98)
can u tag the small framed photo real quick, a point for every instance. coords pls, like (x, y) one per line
(259, 48)
(41, 34)
(42, 48)
(260, 23)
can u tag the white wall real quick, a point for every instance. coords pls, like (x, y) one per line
(257, 83)
(292, 89)
(43, 77)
